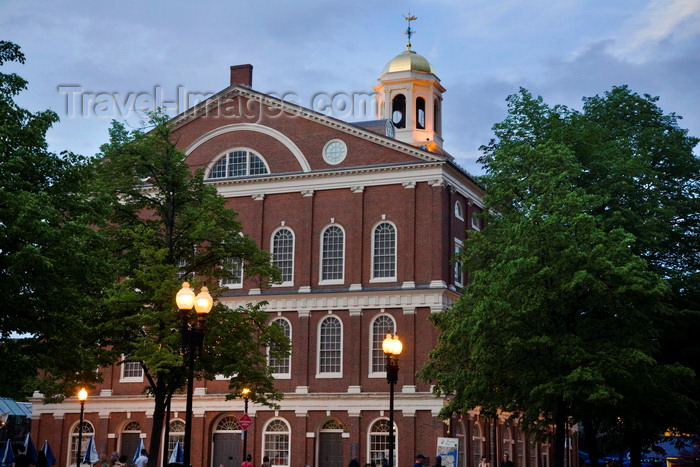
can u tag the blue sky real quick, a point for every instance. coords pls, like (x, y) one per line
(482, 50)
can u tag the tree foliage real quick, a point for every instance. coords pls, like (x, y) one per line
(167, 225)
(590, 246)
(53, 264)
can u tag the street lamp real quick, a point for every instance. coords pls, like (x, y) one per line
(82, 397)
(192, 339)
(392, 347)
(246, 393)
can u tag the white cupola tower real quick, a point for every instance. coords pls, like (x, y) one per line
(409, 93)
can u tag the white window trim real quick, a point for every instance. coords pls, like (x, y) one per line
(237, 285)
(287, 375)
(459, 281)
(322, 281)
(459, 211)
(294, 246)
(129, 379)
(374, 279)
(334, 374)
(475, 223)
(212, 164)
(288, 433)
(377, 374)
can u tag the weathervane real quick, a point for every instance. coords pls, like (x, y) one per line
(409, 32)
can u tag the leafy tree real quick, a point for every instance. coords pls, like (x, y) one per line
(567, 285)
(167, 225)
(53, 264)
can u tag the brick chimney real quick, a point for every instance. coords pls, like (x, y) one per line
(242, 75)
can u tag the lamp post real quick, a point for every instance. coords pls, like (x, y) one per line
(392, 348)
(246, 393)
(192, 339)
(82, 397)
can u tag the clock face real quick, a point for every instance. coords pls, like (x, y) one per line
(335, 151)
(397, 116)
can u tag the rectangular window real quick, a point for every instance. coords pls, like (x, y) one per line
(458, 271)
(237, 163)
(132, 372)
(235, 267)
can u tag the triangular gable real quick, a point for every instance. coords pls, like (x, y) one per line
(217, 102)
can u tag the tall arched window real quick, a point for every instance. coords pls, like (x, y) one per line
(384, 252)
(398, 111)
(88, 431)
(175, 433)
(332, 254)
(437, 120)
(378, 442)
(281, 367)
(276, 443)
(381, 326)
(238, 163)
(420, 113)
(330, 347)
(283, 254)
(477, 444)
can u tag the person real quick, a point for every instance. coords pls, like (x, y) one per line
(248, 462)
(266, 462)
(142, 460)
(419, 460)
(506, 461)
(438, 461)
(114, 459)
(484, 462)
(21, 459)
(121, 462)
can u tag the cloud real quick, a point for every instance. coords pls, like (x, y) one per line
(662, 22)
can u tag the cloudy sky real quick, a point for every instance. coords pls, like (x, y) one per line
(483, 50)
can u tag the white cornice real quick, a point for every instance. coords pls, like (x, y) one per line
(436, 299)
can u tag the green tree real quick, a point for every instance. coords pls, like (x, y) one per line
(53, 264)
(560, 315)
(168, 225)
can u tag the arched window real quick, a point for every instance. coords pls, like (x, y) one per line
(130, 439)
(461, 444)
(281, 366)
(458, 266)
(238, 163)
(384, 252)
(283, 254)
(332, 254)
(420, 113)
(398, 111)
(276, 443)
(378, 442)
(437, 120)
(176, 433)
(477, 444)
(88, 431)
(381, 326)
(459, 212)
(330, 347)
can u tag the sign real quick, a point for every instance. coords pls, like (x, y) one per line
(447, 448)
(245, 421)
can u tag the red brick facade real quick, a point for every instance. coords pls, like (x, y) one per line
(329, 417)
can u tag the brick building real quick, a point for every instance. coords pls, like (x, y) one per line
(363, 220)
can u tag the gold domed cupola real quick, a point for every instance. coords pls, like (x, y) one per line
(409, 93)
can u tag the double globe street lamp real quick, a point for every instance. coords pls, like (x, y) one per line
(192, 340)
(392, 348)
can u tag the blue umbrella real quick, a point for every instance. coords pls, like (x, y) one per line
(50, 458)
(137, 454)
(8, 458)
(178, 456)
(30, 450)
(91, 456)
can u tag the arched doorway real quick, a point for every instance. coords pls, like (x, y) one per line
(130, 440)
(330, 444)
(227, 450)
